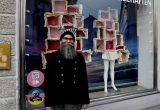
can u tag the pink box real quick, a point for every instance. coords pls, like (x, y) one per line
(59, 6)
(98, 45)
(53, 32)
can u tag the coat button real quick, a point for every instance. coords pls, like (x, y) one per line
(74, 75)
(62, 75)
(74, 82)
(75, 62)
(62, 81)
(74, 68)
(61, 67)
(59, 61)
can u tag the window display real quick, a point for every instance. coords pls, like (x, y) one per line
(114, 36)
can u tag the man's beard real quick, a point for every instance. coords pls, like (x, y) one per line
(68, 50)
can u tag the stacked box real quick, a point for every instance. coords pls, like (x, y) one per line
(64, 16)
(107, 38)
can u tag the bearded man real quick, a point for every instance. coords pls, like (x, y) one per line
(66, 84)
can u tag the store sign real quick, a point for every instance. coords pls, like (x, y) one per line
(4, 56)
(35, 78)
(143, 2)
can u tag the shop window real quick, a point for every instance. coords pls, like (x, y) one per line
(108, 29)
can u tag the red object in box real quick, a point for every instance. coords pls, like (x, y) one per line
(109, 45)
(53, 45)
(53, 20)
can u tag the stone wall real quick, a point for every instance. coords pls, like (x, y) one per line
(9, 33)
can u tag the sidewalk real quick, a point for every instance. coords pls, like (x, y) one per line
(153, 108)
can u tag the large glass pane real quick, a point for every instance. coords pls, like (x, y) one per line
(115, 37)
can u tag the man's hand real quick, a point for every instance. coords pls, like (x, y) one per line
(49, 108)
(85, 106)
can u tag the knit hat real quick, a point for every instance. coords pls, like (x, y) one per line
(70, 31)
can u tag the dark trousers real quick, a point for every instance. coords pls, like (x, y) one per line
(67, 106)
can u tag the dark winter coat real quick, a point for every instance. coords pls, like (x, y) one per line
(66, 80)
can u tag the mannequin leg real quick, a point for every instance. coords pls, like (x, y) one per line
(106, 65)
(112, 62)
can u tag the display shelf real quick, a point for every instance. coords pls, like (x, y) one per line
(82, 33)
(79, 44)
(113, 14)
(110, 45)
(99, 23)
(123, 56)
(67, 27)
(79, 21)
(87, 55)
(52, 44)
(59, 6)
(110, 34)
(116, 26)
(100, 33)
(110, 25)
(52, 20)
(99, 45)
(69, 20)
(74, 9)
(53, 32)
(102, 14)
(119, 38)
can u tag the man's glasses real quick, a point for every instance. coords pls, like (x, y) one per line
(66, 39)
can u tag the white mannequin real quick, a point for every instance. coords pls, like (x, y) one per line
(106, 67)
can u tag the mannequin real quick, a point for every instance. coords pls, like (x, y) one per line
(109, 58)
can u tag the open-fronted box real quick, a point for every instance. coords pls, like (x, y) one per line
(100, 33)
(102, 14)
(123, 56)
(74, 9)
(116, 26)
(68, 20)
(110, 45)
(59, 6)
(53, 32)
(99, 23)
(79, 21)
(82, 33)
(79, 44)
(110, 34)
(113, 14)
(119, 40)
(52, 20)
(110, 25)
(87, 55)
(99, 45)
(45, 56)
(120, 47)
(52, 44)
